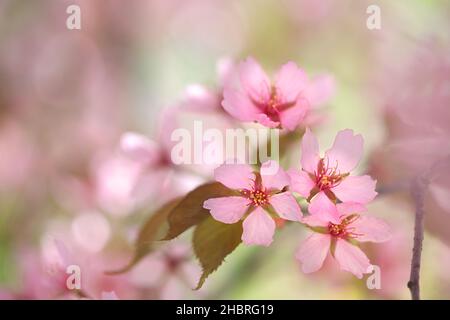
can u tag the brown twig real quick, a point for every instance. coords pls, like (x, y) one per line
(418, 189)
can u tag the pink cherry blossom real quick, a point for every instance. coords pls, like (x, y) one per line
(157, 179)
(282, 103)
(200, 98)
(338, 229)
(326, 178)
(167, 274)
(259, 195)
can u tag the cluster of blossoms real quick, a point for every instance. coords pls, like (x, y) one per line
(336, 199)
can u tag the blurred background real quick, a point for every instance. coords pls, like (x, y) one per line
(69, 196)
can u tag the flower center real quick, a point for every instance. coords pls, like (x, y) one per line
(344, 230)
(258, 197)
(173, 262)
(326, 176)
(272, 106)
(336, 230)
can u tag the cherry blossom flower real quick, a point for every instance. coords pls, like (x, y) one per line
(328, 178)
(200, 98)
(283, 103)
(167, 274)
(338, 229)
(157, 172)
(259, 197)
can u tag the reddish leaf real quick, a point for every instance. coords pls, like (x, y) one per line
(190, 212)
(212, 242)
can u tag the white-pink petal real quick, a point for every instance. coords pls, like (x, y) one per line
(290, 80)
(301, 182)
(254, 80)
(346, 151)
(371, 229)
(347, 208)
(356, 189)
(235, 176)
(351, 258)
(310, 152)
(227, 209)
(139, 147)
(315, 220)
(239, 105)
(286, 206)
(258, 228)
(291, 117)
(319, 90)
(323, 206)
(264, 120)
(313, 251)
(273, 176)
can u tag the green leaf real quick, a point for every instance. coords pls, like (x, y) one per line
(190, 212)
(212, 242)
(152, 230)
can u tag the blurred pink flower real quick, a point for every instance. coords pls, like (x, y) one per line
(393, 256)
(91, 231)
(18, 156)
(200, 98)
(323, 179)
(157, 178)
(417, 116)
(72, 252)
(64, 247)
(336, 228)
(115, 178)
(281, 104)
(258, 197)
(167, 273)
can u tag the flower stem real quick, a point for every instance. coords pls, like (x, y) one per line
(418, 189)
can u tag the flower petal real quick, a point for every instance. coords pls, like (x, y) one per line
(286, 206)
(319, 90)
(139, 147)
(227, 209)
(351, 258)
(347, 208)
(235, 176)
(315, 220)
(239, 105)
(273, 176)
(346, 151)
(371, 229)
(290, 80)
(313, 251)
(321, 205)
(264, 120)
(301, 182)
(310, 152)
(356, 189)
(291, 117)
(198, 98)
(259, 228)
(254, 80)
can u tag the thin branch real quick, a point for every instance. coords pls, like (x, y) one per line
(418, 189)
